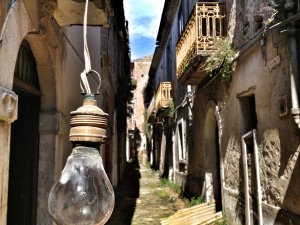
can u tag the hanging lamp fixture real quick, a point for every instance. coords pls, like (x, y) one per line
(83, 195)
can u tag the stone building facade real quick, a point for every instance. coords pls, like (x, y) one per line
(41, 58)
(240, 129)
(140, 73)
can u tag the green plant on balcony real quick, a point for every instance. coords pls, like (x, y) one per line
(221, 61)
(171, 109)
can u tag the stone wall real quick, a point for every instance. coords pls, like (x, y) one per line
(140, 73)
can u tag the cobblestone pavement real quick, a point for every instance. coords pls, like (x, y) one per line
(141, 199)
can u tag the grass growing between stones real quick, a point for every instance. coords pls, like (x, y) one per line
(189, 202)
(174, 187)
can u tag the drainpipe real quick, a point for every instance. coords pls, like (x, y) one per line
(289, 7)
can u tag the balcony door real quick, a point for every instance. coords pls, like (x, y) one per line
(24, 149)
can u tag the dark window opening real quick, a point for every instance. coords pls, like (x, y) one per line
(248, 110)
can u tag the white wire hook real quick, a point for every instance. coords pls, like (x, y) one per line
(84, 83)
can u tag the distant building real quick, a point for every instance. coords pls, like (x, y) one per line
(140, 73)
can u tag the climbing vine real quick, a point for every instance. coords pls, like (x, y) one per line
(171, 109)
(221, 61)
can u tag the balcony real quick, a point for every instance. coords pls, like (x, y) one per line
(160, 102)
(163, 97)
(198, 40)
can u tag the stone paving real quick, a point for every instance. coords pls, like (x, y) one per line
(141, 199)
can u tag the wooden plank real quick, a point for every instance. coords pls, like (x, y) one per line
(216, 217)
(193, 215)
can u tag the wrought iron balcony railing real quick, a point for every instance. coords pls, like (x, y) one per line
(163, 96)
(160, 101)
(202, 31)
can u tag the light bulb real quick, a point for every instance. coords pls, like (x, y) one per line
(83, 195)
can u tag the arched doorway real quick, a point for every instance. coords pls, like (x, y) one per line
(212, 160)
(24, 149)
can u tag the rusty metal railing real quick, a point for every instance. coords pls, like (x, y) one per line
(163, 96)
(161, 100)
(202, 31)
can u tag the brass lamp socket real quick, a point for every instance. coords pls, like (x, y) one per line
(88, 122)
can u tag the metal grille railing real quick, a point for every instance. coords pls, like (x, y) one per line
(163, 96)
(202, 31)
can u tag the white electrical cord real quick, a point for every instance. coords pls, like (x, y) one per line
(84, 83)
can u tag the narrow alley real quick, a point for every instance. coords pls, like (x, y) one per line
(143, 199)
(166, 112)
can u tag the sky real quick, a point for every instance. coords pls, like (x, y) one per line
(144, 18)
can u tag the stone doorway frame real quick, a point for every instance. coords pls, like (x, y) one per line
(213, 109)
(51, 122)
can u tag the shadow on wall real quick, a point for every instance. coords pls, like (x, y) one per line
(292, 195)
(137, 137)
(137, 143)
(126, 196)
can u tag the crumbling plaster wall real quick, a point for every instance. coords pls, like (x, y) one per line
(264, 69)
(264, 72)
(242, 17)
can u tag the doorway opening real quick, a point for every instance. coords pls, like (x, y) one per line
(24, 149)
(251, 176)
(213, 187)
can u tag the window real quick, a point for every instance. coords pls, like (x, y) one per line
(181, 140)
(26, 76)
(249, 113)
(181, 18)
(181, 24)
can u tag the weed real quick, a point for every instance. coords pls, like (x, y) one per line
(196, 201)
(222, 222)
(221, 61)
(171, 109)
(166, 183)
(161, 193)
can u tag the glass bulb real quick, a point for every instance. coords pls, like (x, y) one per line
(83, 195)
